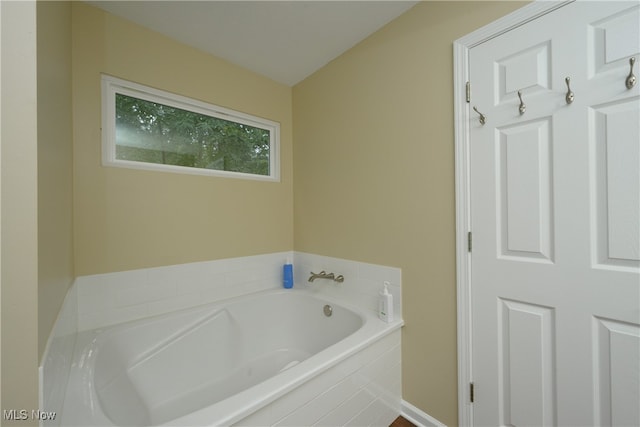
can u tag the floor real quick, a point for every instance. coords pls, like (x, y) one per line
(402, 422)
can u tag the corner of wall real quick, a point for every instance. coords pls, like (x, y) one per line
(54, 162)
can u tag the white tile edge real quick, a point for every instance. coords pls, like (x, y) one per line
(65, 324)
(418, 417)
(63, 312)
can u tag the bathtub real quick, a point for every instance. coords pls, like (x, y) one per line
(231, 362)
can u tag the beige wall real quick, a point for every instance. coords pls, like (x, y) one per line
(126, 219)
(374, 176)
(55, 163)
(18, 226)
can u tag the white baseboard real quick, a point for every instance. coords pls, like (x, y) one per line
(418, 417)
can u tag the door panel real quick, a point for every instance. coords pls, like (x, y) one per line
(555, 215)
(527, 367)
(525, 198)
(616, 346)
(528, 68)
(616, 187)
(613, 39)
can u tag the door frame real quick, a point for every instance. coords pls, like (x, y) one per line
(462, 117)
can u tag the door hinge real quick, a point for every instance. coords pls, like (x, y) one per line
(471, 392)
(468, 91)
(469, 241)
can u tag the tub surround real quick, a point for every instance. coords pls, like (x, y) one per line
(112, 298)
(104, 300)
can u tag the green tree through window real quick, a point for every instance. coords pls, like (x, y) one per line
(151, 132)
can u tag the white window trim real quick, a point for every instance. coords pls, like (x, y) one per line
(112, 85)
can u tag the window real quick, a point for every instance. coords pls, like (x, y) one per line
(145, 128)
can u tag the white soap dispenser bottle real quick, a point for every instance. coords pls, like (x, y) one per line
(385, 304)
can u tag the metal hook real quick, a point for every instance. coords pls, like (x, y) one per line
(631, 79)
(522, 107)
(569, 97)
(482, 119)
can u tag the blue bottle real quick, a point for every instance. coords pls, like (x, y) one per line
(287, 274)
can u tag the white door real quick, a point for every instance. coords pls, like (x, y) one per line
(555, 217)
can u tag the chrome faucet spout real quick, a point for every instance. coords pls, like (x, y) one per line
(314, 276)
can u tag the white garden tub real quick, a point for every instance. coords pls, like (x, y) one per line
(211, 365)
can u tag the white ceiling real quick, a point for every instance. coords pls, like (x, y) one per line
(284, 40)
